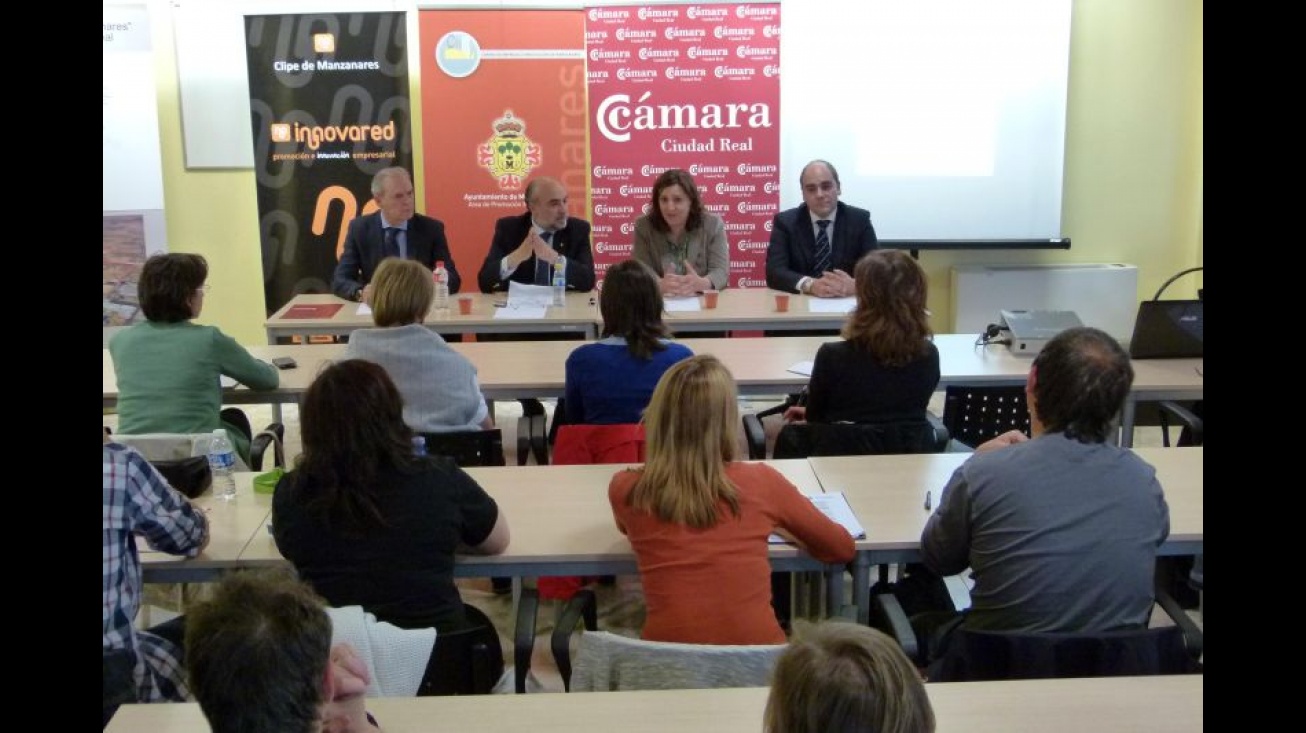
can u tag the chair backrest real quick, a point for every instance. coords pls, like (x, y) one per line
(469, 447)
(800, 440)
(182, 458)
(975, 414)
(464, 662)
(607, 662)
(589, 444)
(1004, 655)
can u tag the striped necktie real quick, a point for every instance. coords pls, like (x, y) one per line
(822, 248)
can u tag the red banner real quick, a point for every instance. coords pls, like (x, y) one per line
(503, 101)
(685, 86)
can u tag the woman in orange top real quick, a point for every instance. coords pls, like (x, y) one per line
(699, 520)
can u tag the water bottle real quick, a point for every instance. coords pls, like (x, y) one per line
(419, 445)
(441, 276)
(560, 281)
(222, 461)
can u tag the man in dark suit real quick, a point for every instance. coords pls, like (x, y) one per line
(814, 247)
(394, 231)
(525, 247)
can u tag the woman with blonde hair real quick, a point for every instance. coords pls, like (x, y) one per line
(887, 366)
(838, 677)
(699, 521)
(439, 386)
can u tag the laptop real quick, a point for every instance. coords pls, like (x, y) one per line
(1167, 329)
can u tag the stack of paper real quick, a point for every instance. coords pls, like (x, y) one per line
(834, 505)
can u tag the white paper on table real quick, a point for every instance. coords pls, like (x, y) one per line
(520, 312)
(831, 305)
(803, 367)
(364, 309)
(834, 505)
(226, 382)
(522, 295)
(682, 304)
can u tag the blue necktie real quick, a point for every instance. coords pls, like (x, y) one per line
(391, 242)
(542, 267)
(822, 248)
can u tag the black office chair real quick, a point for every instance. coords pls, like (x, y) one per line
(975, 414)
(118, 675)
(924, 434)
(973, 654)
(468, 447)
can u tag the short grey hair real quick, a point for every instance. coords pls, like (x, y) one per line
(378, 180)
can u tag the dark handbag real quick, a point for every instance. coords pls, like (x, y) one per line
(191, 476)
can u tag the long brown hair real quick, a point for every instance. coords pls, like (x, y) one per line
(676, 177)
(890, 320)
(352, 427)
(631, 305)
(690, 437)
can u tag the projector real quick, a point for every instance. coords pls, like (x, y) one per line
(1031, 330)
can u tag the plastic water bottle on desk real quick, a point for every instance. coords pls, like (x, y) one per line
(222, 462)
(560, 281)
(441, 276)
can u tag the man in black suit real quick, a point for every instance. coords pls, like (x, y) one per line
(525, 247)
(797, 260)
(394, 231)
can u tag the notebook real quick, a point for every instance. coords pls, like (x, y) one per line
(1167, 329)
(834, 505)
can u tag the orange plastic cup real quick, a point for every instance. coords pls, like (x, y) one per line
(782, 302)
(465, 305)
(709, 298)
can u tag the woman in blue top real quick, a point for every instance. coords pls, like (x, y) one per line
(609, 382)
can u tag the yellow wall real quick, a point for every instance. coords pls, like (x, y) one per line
(1133, 179)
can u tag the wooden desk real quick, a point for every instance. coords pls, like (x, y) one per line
(232, 525)
(888, 495)
(753, 309)
(579, 316)
(1161, 704)
(561, 524)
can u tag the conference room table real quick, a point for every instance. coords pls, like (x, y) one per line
(761, 366)
(561, 522)
(737, 309)
(298, 318)
(1159, 704)
(887, 493)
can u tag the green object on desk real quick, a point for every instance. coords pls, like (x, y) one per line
(266, 483)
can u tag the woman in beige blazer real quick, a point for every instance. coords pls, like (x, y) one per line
(685, 245)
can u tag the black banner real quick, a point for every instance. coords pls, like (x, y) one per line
(329, 108)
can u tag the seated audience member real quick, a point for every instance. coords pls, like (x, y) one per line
(139, 502)
(367, 522)
(678, 239)
(526, 246)
(886, 367)
(815, 246)
(260, 660)
(1060, 531)
(169, 368)
(438, 385)
(394, 230)
(699, 521)
(610, 381)
(837, 676)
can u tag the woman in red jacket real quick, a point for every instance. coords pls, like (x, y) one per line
(699, 520)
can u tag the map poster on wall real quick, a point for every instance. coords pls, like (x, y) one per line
(134, 227)
(329, 108)
(695, 87)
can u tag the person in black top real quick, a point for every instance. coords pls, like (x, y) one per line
(366, 521)
(887, 366)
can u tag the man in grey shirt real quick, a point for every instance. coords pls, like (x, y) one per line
(1060, 530)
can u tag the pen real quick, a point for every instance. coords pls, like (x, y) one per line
(927, 500)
